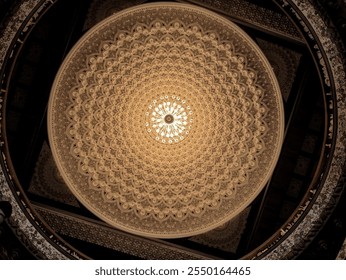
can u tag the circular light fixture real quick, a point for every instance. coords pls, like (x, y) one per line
(165, 120)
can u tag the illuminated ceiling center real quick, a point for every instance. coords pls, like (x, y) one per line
(165, 120)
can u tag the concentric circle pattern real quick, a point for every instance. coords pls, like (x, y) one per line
(165, 120)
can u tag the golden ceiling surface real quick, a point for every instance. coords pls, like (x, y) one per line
(165, 120)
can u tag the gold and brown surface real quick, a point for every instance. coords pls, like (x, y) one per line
(165, 120)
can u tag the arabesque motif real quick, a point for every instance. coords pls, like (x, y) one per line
(166, 120)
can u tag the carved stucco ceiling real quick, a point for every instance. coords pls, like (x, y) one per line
(292, 236)
(166, 120)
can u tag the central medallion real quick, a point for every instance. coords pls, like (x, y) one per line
(169, 119)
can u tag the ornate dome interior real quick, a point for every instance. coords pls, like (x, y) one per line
(172, 130)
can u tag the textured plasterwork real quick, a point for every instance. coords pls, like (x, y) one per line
(107, 237)
(165, 180)
(23, 227)
(239, 9)
(342, 253)
(284, 62)
(47, 181)
(295, 240)
(327, 197)
(227, 236)
(253, 14)
(15, 23)
(100, 9)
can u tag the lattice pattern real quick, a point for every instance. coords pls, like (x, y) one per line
(110, 147)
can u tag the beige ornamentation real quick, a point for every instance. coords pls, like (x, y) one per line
(165, 120)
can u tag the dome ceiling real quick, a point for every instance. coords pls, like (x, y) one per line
(168, 124)
(166, 120)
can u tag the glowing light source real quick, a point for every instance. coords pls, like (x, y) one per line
(169, 119)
